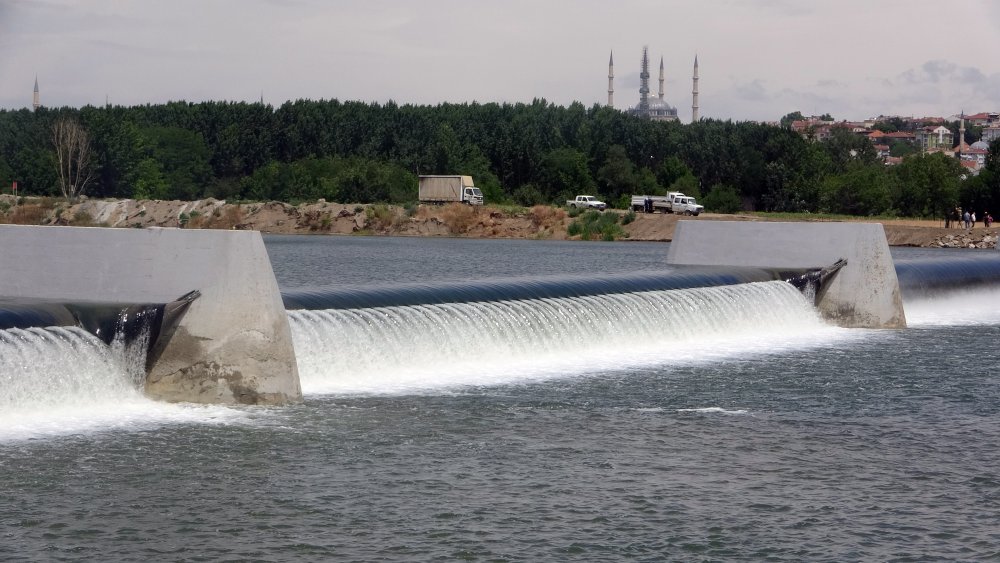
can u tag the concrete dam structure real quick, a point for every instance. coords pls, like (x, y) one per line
(231, 345)
(865, 293)
(215, 328)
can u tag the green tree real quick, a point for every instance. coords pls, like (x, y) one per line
(982, 192)
(928, 185)
(722, 199)
(900, 149)
(686, 184)
(149, 181)
(787, 119)
(847, 150)
(617, 176)
(864, 190)
(670, 169)
(564, 174)
(182, 157)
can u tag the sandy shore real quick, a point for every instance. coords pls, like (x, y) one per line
(540, 222)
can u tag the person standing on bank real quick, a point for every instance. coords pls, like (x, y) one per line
(966, 218)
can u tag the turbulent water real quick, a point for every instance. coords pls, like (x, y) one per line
(725, 423)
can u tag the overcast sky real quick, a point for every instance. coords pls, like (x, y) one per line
(759, 59)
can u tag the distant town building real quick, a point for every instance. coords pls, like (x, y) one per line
(934, 139)
(901, 136)
(991, 133)
(984, 119)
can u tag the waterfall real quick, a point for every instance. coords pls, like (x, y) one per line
(400, 349)
(58, 366)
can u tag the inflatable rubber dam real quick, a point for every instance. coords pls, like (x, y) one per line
(202, 318)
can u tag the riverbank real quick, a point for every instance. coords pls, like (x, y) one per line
(539, 222)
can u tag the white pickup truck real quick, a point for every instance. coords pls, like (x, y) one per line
(680, 203)
(587, 201)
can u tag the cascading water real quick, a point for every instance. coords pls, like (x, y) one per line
(58, 380)
(57, 367)
(401, 349)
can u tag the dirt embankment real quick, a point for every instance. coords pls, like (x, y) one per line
(539, 222)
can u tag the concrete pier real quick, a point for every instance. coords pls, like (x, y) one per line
(863, 294)
(232, 346)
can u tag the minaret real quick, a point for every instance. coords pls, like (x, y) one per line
(661, 77)
(694, 92)
(611, 80)
(644, 84)
(35, 100)
(961, 134)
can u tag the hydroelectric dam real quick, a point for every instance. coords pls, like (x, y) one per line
(198, 316)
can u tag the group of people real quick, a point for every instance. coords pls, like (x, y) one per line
(966, 218)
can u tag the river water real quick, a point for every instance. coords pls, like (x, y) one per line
(699, 424)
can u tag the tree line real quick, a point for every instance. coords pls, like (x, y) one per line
(524, 153)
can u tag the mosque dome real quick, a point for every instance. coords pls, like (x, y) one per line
(981, 145)
(660, 109)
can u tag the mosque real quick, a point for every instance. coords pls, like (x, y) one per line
(653, 109)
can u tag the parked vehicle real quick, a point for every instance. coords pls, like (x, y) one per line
(448, 189)
(650, 203)
(686, 205)
(587, 201)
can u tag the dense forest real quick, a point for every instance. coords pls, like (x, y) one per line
(537, 153)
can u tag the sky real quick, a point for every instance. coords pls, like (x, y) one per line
(758, 59)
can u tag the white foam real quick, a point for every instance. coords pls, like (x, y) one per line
(425, 348)
(133, 414)
(976, 306)
(57, 381)
(715, 410)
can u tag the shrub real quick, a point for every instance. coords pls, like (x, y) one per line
(379, 217)
(459, 217)
(83, 219)
(596, 224)
(528, 194)
(544, 216)
(28, 215)
(628, 217)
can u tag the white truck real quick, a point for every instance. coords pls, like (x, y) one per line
(680, 203)
(651, 203)
(448, 189)
(586, 201)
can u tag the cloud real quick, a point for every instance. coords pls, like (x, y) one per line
(830, 84)
(753, 91)
(937, 71)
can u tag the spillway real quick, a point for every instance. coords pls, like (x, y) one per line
(510, 289)
(59, 366)
(402, 348)
(940, 274)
